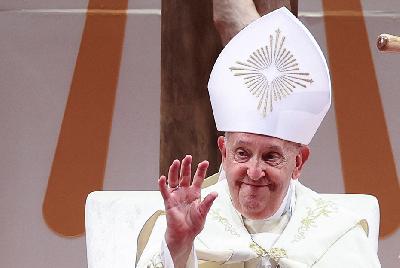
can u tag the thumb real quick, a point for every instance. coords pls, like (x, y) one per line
(206, 204)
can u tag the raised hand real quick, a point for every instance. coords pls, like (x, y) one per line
(186, 213)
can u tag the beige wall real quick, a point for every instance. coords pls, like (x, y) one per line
(38, 50)
(39, 46)
(324, 170)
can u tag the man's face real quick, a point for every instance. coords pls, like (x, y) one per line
(258, 169)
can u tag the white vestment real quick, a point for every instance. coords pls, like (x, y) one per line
(315, 233)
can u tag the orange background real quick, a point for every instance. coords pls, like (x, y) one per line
(80, 103)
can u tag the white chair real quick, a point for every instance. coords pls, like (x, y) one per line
(114, 220)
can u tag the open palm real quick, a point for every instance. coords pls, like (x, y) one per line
(185, 211)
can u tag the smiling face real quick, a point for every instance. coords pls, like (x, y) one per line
(258, 169)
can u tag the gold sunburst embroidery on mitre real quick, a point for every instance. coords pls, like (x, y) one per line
(271, 73)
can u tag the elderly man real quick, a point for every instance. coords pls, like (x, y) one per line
(270, 90)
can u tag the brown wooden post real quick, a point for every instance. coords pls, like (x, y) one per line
(266, 6)
(189, 47)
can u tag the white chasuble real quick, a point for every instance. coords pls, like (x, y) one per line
(315, 232)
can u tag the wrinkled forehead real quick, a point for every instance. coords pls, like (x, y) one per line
(256, 140)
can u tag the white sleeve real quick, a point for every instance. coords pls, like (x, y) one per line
(156, 252)
(167, 259)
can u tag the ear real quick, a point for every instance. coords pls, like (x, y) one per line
(301, 158)
(222, 148)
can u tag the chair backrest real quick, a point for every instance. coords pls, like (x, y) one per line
(114, 219)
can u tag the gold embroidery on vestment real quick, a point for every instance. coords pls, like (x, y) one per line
(260, 251)
(155, 262)
(274, 254)
(322, 207)
(228, 226)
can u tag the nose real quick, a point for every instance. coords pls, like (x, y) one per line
(254, 170)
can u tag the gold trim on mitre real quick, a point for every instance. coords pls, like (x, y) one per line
(271, 73)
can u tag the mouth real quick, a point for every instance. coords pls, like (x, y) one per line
(256, 184)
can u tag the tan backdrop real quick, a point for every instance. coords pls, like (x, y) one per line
(80, 110)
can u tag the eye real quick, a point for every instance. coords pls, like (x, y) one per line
(273, 158)
(241, 155)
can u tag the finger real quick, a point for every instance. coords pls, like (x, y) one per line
(162, 185)
(173, 174)
(186, 170)
(207, 202)
(200, 174)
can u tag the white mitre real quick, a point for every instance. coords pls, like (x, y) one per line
(271, 79)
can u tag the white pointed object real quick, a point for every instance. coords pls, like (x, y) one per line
(271, 79)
